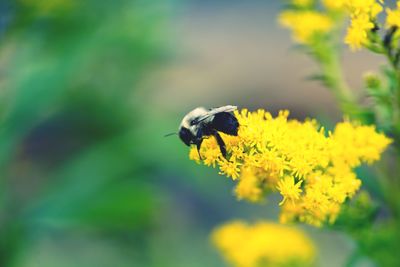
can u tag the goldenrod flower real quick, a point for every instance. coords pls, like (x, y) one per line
(194, 155)
(363, 13)
(229, 168)
(289, 189)
(305, 25)
(313, 21)
(357, 143)
(335, 5)
(245, 245)
(313, 172)
(248, 186)
(362, 7)
(357, 33)
(393, 17)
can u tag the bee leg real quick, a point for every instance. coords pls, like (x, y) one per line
(221, 143)
(198, 145)
(198, 141)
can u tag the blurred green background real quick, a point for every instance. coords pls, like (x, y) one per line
(89, 88)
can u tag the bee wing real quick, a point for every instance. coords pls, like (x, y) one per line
(228, 108)
(213, 112)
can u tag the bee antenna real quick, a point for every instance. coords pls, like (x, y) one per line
(170, 134)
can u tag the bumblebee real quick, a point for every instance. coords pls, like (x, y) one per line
(201, 123)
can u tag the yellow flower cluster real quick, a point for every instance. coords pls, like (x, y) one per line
(312, 171)
(263, 244)
(306, 19)
(305, 24)
(357, 33)
(363, 14)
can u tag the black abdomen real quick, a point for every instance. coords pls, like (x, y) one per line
(225, 122)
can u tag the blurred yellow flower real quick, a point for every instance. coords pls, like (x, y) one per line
(361, 7)
(393, 17)
(266, 243)
(248, 187)
(357, 143)
(334, 4)
(305, 25)
(308, 24)
(357, 33)
(311, 170)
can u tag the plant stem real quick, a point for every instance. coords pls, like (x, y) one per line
(393, 199)
(327, 55)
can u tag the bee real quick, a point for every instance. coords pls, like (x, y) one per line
(201, 123)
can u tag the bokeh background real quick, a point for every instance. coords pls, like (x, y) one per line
(89, 88)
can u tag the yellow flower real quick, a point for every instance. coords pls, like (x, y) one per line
(194, 155)
(211, 155)
(314, 171)
(376, 9)
(288, 189)
(305, 25)
(393, 17)
(244, 245)
(354, 143)
(357, 33)
(248, 186)
(356, 38)
(361, 7)
(334, 4)
(363, 13)
(229, 168)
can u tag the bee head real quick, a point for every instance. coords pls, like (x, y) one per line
(186, 136)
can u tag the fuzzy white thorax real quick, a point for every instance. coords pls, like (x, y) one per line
(195, 113)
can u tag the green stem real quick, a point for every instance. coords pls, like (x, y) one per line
(388, 188)
(396, 97)
(327, 55)
(338, 86)
(393, 198)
